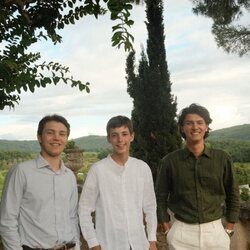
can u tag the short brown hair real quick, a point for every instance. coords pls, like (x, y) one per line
(119, 121)
(49, 118)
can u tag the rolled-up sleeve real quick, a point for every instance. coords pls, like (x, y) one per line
(149, 206)
(87, 207)
(162, 193)
(9, 209)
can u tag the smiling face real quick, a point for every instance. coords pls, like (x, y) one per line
(120, 139)
(194, 127)
(53, 139)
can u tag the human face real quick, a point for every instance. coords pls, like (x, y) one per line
(120, 139)
(194, 127)
(53, 139)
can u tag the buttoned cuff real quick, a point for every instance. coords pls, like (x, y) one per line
(77, 247)
(152, 236)
(93, 242)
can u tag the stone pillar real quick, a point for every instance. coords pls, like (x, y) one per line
(241, 238)
(74, 159)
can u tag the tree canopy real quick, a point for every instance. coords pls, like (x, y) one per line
(25, 22)
(230, 33)
(154, 107)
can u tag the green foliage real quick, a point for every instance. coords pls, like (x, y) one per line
(233, 39)
(104, 153)
(234, 140)
(88, 143)
(239, 133)
(244, 194)
(239, 150)
(92, 143)
(9, 159)
(229, 35)
(242, 172)
(89, 158)
(71, 144)
(2, 176)
(21, 146)
(23, 24)
(154, 110)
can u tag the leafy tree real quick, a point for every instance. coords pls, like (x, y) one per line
(104, 153)
(71, 144)
(226, 14)
(242, 172)
(25, 22)
(154, 108)
(239, 150)
(244, 195)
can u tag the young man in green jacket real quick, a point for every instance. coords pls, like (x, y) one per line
(197, 184)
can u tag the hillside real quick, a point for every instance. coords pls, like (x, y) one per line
(92, 142)
(238, 133)
(88, 143)
(97, 143)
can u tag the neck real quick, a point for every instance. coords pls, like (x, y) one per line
(120, 159)
(196, 148)
(54, 162)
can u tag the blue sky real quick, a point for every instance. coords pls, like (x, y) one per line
(199, 71)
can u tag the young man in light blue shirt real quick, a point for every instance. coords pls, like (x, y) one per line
(40, 198)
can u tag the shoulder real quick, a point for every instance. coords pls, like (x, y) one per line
(99, 165)
(217, 152)
(23, 166)
(20, 171)
(137, 162)
(139, 165)
(175, 154)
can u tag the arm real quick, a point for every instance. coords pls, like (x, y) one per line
(9, 209)
(87, 207)
(74, 215)
(162, 193)
(152, 245)
(149, 207)
(232, 195)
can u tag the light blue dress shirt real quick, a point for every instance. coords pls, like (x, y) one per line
(38, 206)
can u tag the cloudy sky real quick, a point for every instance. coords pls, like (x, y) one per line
(199, 71)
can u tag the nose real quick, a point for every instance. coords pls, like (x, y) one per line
(56, 136)
(195, 125)
(119, 137)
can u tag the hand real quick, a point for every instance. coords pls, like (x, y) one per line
(152, 245)
(96, 248)
(166, 227)
(229, 226)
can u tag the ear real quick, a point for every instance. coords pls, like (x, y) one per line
(132, 137)
(39, 138)
(108, 139)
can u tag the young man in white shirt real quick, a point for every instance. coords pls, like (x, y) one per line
(119, 189)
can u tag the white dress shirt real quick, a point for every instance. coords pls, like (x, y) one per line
(39, 206)
(120, 196)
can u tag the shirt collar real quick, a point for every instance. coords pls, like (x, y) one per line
(42, 163)
(206, 152)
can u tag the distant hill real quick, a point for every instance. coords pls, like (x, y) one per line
(92, 142)
(22, 146)
(238, 133)
(87, 143)
(97, 143)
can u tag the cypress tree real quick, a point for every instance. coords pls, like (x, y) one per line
(154, 107)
